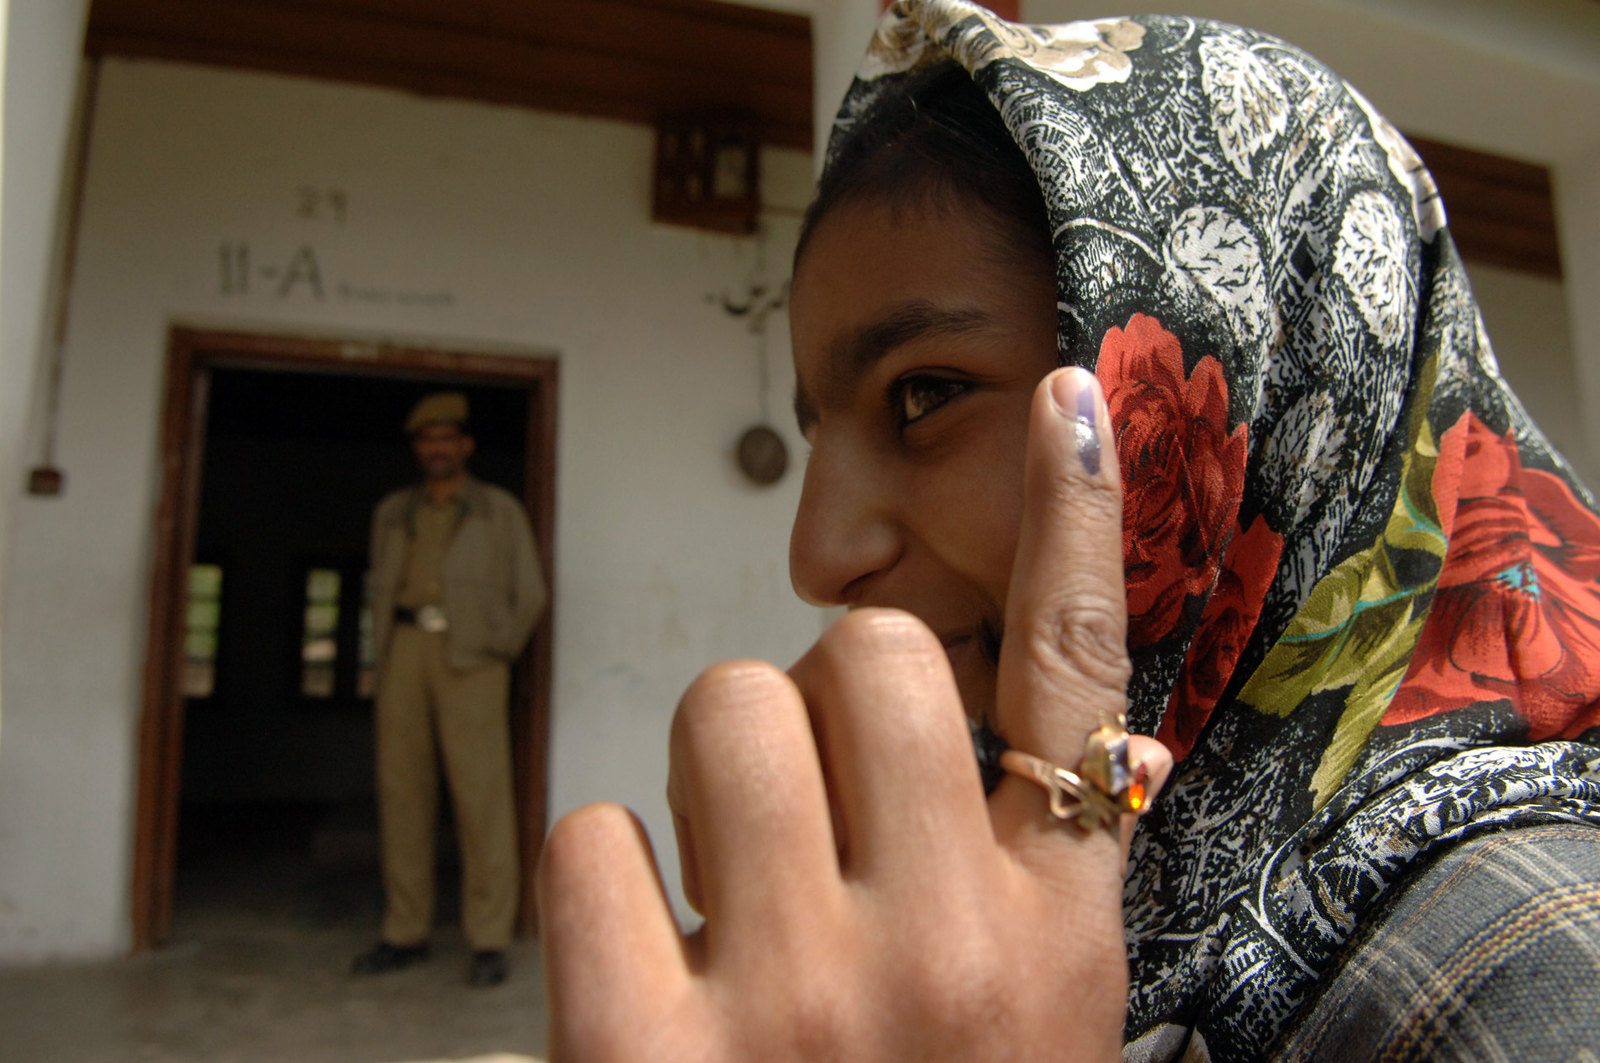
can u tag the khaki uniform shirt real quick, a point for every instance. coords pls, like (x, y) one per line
(432, 524)
(488, 580)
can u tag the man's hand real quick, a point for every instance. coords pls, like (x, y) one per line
(861, 898)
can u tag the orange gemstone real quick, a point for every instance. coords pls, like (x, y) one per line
(1135, 796)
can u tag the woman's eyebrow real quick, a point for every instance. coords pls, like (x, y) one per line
(852, 355)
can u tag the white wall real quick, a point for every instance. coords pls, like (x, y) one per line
(536, 228)
(1577, 188)
(39, 45)
(1526, 316)
(840, 30)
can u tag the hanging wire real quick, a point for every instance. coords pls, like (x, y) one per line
(46, 473)
(765, 375)
(759, 301)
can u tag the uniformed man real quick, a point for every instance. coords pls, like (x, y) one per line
(456, 590)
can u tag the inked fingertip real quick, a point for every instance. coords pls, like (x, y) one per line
(1066, 386)
(1076, 395)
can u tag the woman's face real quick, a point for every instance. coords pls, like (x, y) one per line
(917, 345)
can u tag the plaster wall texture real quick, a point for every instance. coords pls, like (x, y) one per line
(39, 41)
(1527, 318)
(465, 226)
(1577, 188)
(840, 30)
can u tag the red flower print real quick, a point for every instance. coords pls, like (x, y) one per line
(1182, 471)
(1517, 612)
(1225, 626)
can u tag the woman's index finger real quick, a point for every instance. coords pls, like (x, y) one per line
(1064, 663)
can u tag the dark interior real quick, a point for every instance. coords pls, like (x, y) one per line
(277, 783)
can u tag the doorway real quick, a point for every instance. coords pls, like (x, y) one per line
(256, 737)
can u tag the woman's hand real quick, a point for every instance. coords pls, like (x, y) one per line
(861, 899)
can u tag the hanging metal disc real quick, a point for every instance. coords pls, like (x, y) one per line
(763, 456)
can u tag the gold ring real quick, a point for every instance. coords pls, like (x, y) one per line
(1103, 788)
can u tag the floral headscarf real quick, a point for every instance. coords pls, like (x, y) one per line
(1366, 584)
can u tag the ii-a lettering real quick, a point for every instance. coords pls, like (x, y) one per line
(303, 271)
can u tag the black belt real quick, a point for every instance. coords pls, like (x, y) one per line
(428, 618)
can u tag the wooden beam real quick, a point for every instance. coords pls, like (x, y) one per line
(628, 59)
(1501, 211)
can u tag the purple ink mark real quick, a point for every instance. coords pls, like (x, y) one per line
(1087, 438)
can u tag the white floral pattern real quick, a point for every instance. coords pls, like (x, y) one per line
(1302, 459)
(1221, 255)
(1371, 261)
(1407, 167)
(902, 43)
(1246, 97)
(1079, 55)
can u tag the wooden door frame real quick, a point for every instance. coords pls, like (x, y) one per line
(192, 354)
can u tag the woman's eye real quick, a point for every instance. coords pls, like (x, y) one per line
(916, 397)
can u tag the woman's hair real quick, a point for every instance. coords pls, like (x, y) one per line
(937, 141)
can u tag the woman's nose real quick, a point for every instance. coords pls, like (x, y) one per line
(844, 533)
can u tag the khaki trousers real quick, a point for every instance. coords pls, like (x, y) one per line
(428, 712)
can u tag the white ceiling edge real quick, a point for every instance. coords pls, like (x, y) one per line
(1563, 35)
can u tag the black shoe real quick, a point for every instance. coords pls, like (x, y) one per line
(385, 957)
(488, 968)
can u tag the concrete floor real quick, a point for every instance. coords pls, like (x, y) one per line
(256, 971)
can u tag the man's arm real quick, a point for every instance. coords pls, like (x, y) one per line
(382, 603)
(529, 592)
